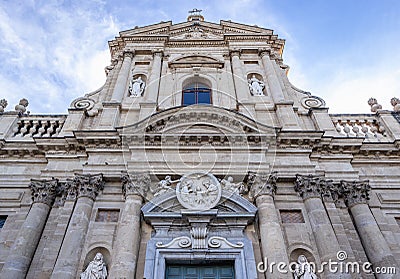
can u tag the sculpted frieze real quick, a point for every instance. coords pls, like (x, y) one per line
(198, 191)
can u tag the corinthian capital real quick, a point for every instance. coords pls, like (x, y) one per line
(262, 184)
(309, 186)
(43, 191)
(88, 185)
(355, 192)
(135, 184)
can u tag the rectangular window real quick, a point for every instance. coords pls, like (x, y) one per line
(292, 216)
(2, 220)
(107, 215)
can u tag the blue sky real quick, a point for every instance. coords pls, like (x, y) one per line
(344, 51)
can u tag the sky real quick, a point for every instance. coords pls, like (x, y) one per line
(345, 51)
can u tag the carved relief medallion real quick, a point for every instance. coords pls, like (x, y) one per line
(198, 191)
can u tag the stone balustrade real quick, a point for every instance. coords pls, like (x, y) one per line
(361, 126)
(38, 126)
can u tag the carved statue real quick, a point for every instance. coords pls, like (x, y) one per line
(96, 269)
(136, 88)
(164, 186)
(256, 86)
(304, 269)
(237, 188)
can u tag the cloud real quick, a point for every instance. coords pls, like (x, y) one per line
(55, 54)
(350, 94)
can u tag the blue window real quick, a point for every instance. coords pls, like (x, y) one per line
(196, 93)
(2, 221)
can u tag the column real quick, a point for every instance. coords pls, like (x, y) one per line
(126, 247)
(272, 79)
(262, 190)
(284, 108)
(87, 187)
(123, 77)
(154, 78)
(23, 249)
(356, 195)
(310, 189)
(240, 82)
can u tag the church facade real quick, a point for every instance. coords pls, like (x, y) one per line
(199, 159)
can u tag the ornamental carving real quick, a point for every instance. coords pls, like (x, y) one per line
(262, 184)
(309, 186)
(90, 107)
(355, 192)
(198, 191)
(239, 188)
(135, 184)
(89, 185)
(312, 102)
(43, 191)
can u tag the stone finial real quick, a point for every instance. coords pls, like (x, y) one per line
(135, 184)
(43, 191)
(309, 186)
(21, 107)
(355, 192)
(395, 102)
(262, 184)
(88, 185)
(3, 105)
(374, 104)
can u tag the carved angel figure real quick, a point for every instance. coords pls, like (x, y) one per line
(256, 86)
(229, 185)
(96, 269)
(136, 88)
(304, 269)
(164, 186)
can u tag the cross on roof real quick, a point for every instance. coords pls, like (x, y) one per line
(195, 12)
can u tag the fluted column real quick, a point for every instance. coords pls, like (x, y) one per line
(262, 190)
(23, 249)
(154, 78)
(242, 89)
(123, 76)
(310, 188)
(87, 187)
(126, 247)
(356, 195)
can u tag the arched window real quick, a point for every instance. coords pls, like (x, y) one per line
(196, 93)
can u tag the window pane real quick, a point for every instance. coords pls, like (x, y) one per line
(204, 97)
(2, 221)
(189, 98)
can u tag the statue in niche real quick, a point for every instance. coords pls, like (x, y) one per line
(96, 269)
(164, 186)
(237, 188)
(256, 86)
(304, 269)
(137, 86)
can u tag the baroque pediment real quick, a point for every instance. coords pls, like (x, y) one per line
(196, 60)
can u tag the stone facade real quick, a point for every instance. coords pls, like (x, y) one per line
(197, 151)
